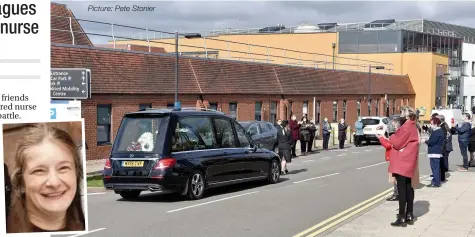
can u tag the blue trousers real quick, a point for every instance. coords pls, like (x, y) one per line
(464, 150)
(435, 166)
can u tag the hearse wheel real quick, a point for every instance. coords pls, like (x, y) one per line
(130, 194)
(196, 186)
(274, 172)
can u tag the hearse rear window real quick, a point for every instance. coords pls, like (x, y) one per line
(139, 134)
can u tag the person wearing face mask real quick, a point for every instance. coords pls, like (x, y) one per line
(446, 148)
(463, 131)
(295, 131)
(327, 128)
(342, 133)
(359, 132)
(305, 135)
(434, 151)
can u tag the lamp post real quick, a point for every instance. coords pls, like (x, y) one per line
(369, 85)
(333, 56)
(187, 36)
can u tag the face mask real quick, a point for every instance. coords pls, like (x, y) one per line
(326, 120)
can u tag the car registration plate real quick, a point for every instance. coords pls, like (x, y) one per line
(132, 163)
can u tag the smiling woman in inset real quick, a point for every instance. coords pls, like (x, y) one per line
(46, 183)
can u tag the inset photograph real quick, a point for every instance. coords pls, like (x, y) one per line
(45, 177)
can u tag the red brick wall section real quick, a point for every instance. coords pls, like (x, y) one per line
(122, 104)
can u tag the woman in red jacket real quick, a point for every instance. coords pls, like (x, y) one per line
(403, 165)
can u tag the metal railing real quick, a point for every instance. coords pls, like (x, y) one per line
(231, 50)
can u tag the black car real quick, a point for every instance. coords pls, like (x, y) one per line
(263, 133)
(184, 151)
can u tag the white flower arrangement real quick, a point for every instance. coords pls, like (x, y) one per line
(146, 141)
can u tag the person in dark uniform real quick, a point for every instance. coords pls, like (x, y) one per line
(8, 189)
(284, 144)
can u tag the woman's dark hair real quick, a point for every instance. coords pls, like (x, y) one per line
(435, 121)
(285, 123)
(18, 221)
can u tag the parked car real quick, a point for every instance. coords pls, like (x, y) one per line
(184, 151)
(263, 133)
(374, 125)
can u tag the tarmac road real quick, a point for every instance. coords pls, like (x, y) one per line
(318, 187)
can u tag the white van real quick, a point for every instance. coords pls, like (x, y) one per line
(452, 116)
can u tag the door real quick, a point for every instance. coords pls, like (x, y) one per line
(195, 142)
(250, 165)
(266, 136)
(227, 146)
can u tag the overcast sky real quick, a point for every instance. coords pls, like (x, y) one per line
(197, 16)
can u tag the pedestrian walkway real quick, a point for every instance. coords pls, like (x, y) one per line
(445, 211)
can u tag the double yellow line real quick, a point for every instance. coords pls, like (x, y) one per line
(342, 216)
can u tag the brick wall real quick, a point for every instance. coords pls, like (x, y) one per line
(122, 104)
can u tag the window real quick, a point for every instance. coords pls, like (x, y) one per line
(233, 110)
(224, 133)
(253, 129)
(317, 109)
(385, 121)
(305, 107)
(257, 112)
(358, 108)
(464, 68)
(273, 112)
(472, 104)
(104, 124)
(335, 111)
(290, 108)
(388, 106)
(266, 127)
(344, 109)
(241, 134)
(213, 106)
(473, 69)
(138, 134)
(377, 107)
(170, 105)
(144, 106)
(193, 133)
(464, 103)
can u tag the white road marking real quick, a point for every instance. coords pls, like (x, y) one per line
(89, 232)
(205, 203)
(368, 150)
(341, 155)
(305, 161)
(355, 152)
(364, 167)
(315, 178)
(90, 194)
(338, 150)
(324, 158)
(420, 153)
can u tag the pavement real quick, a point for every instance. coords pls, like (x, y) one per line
(445, 211)
(318, 187)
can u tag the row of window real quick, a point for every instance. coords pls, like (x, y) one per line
(466, 69)
(104, 111)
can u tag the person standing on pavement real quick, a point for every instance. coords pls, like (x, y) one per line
(359, 132)
(446, 148)
(435, 144)
(404, 165)
(295, 131)
(397, 123)
(306, 129)
(471, 144)
(327, 128)
(342, 133)
(284, 144)
(463, 131)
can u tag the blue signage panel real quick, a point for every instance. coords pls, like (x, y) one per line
(52, 113)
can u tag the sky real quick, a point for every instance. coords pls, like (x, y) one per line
(198, 16)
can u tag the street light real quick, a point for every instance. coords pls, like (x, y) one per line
(369, 85)
(187, 36)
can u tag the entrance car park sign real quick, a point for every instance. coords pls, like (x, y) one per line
(70, 83)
